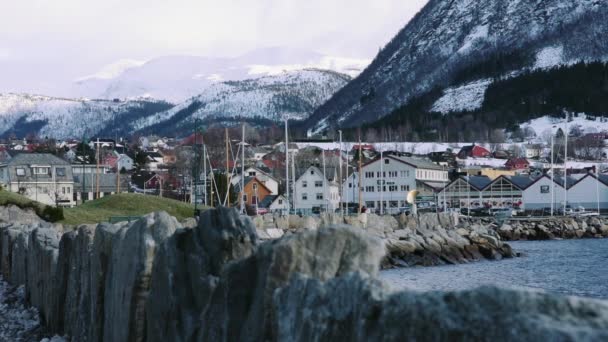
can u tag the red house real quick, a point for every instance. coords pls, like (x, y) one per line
(473, 151)
(517, 164)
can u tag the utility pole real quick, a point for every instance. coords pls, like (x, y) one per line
(227, 170)
(552, 177)
(97, 171)
(340, 172)
(287, 163)
(205, 171)
(359, 173)
(381, 181)
(196, 172)
(293, 181)
(324, 181)
(566, 165)
(243, 169)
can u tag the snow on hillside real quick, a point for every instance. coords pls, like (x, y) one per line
(295, 94)
(586, 124)
(467, 97)
(549, 57)
(178, 78)
(58, 117)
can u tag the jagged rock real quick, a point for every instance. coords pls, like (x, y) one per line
(357, 308)
(77, 308)
(100, 259)
(8, 236)
(43, 250)
(129, 272)
(18, 269)
(187, 272)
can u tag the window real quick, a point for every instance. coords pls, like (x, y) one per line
(319, 196)
(304, 184)
(254, 200)
(386, 161)
(255, 187)
(369, 174)
(41, 170)
(405, 188)
(393, 204)
(544, 189)
(369, 189)
(304, 197)
(370, 204)
(392, 188)
(312, 172)
(350, 185)
(244, 197)
(392, 174)
(252, 173)
(280, 201)
(60, 171)
(20, 171)
(318, 184)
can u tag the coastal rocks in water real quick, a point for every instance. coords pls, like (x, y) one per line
(129, 273)
(426, 240)
(358, 308)
(551, 228)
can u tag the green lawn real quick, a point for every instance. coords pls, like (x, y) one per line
(7, 198)
(125, 205)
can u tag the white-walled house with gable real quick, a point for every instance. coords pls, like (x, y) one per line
(270, 182)
(314, 190)
(41, 177)
(386, 181)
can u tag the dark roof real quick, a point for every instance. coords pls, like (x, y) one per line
(107, 181)
(478, 182)
(570, 181)
(237, 186)
(267, 201)
(522, 182)
(36, 158)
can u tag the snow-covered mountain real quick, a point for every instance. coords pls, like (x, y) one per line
(263, 100)
(451, 38)
(295, 94)
(177, 78)
(23, 114)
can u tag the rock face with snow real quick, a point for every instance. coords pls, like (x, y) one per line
(263, 100)
(178, 78)
(153, 280)
(448, 36)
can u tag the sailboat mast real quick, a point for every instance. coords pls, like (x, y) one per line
(287, 163)
(243, 168)
(227, 170)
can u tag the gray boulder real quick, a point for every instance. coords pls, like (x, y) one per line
(129, 273)
(43, 251)
(356, 307)
(187, 272)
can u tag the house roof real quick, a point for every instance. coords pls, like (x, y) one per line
(237, 186)
(478, 182)
(418, 163)
(267, 201)
(522, 182)
(36, 158)
(107, 181)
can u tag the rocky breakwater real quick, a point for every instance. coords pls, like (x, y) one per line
(427, 240)
(548, 228)
(153, 280)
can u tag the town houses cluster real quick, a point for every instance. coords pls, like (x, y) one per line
(309, 177)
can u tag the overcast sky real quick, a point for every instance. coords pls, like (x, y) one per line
(43, 42)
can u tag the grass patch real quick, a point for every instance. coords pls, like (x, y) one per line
(8, 198)
(102, 209)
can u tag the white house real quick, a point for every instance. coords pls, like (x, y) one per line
(41, 177)
(275, 203)
(386, 181)
(270, 182)
(314, 190)
(126, 162)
